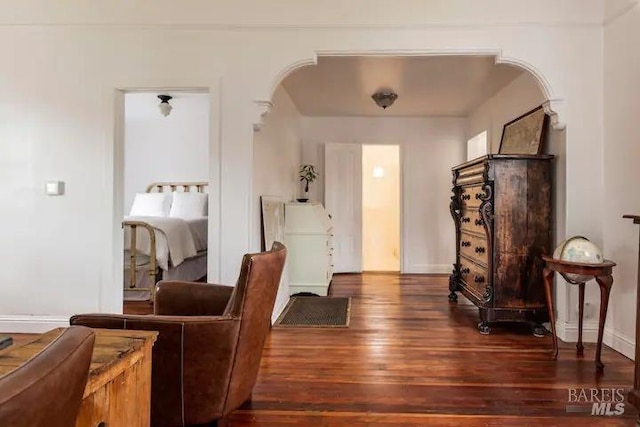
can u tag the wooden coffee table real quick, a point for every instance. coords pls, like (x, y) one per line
(118, 390)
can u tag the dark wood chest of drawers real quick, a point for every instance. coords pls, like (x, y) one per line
(502, 210)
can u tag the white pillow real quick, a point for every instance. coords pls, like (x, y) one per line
(189, 205)
(151, 204)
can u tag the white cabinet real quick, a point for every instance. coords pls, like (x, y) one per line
(308, 236)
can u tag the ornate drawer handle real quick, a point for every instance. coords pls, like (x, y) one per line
(465, 243)
(465, 270)
(465, 219)
(478, 196)
(466, 197)
(478, 279)
(478, 222)
(479, 250)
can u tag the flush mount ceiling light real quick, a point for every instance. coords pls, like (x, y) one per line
(164, 106)
(384, 98)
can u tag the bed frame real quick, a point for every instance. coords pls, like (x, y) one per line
(155, 273)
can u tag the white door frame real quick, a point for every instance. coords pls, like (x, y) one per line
(111, 294)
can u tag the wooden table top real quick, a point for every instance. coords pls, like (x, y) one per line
(114, 351)
(605, 267)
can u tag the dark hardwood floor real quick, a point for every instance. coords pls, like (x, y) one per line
(410, 358)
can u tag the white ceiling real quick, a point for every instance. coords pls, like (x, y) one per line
(426, 86)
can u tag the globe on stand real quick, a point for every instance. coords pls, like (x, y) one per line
(578, 249)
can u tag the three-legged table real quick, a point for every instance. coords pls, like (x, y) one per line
(603, 275)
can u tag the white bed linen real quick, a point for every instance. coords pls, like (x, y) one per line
(174, 240)
(199, 231)
(191, 269)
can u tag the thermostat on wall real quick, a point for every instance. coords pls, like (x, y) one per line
(54, 188)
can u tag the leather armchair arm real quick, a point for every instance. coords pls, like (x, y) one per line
(191, 354)
(148, 321)
(178, 298)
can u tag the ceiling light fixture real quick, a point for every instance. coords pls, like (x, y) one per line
(384, 98)
(164, 106)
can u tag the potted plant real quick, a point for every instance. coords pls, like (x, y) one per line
(307, 175)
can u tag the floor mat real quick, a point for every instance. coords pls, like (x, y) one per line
(315, 312)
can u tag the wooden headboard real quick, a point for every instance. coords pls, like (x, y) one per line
(160, 187)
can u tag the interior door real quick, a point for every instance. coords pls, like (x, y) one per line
(343, 201)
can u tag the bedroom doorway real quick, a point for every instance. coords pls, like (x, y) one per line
(380, 208)
(165, 189)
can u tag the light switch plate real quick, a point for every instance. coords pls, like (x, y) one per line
(54, 188)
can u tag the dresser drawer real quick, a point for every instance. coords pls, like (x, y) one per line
(474, 277)
(474, 247)
(471, 175)
(470, 220)
(471, 196)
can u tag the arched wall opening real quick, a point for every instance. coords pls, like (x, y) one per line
(527, 91)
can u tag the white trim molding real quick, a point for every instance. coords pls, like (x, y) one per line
(619, 342)
(568, 331)
(25, 324)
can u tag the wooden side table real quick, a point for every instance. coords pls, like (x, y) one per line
(118, 390)
(603, 275)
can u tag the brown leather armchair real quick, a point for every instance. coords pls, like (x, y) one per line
(47, 390)
(206, 358)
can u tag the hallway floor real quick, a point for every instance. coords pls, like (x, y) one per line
(410, 358)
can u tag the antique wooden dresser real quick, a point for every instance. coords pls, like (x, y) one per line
(502, 210)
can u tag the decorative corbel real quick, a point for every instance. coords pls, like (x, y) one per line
(551, 108)
(261, 109)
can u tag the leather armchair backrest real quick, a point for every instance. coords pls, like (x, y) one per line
(48, 389)
(253, 301)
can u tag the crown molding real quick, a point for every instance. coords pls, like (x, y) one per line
(310, 27)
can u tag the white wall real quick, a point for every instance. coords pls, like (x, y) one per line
(429, 147)
(170, 149)
(516, 98)
(276, 160)
(621, 173)
(59, 123)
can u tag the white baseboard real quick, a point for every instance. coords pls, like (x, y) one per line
(568, 332)
(428, 269)
(23, 324)
(620, 343)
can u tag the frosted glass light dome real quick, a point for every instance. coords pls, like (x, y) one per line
(578, 249)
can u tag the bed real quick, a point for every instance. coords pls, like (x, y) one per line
(165, 237)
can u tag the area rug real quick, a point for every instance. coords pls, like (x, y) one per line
(315, 312)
